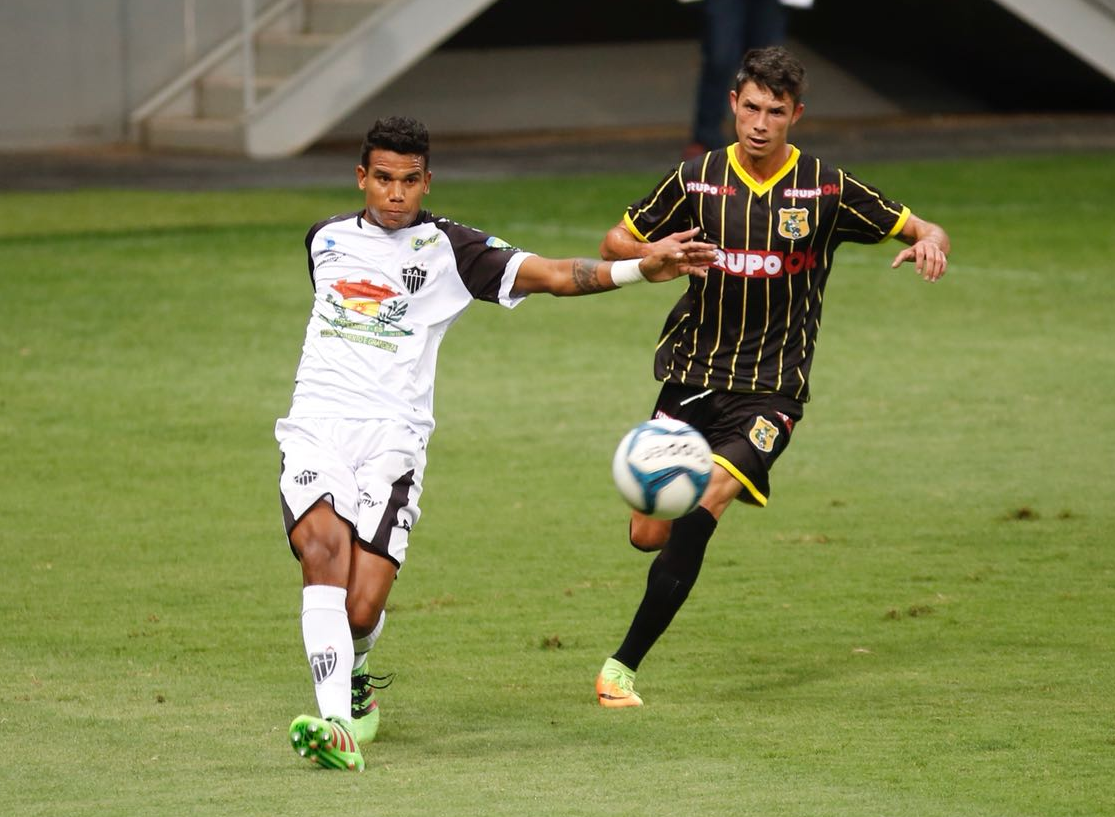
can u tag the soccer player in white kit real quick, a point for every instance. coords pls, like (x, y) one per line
(388, 281)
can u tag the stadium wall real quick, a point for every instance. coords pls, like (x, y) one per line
(71, 70)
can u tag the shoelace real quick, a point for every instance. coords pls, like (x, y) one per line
(366, 682)
(622, 680)
(362, 686)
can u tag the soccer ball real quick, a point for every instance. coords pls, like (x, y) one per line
(662, 468)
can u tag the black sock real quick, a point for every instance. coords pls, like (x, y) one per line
(672, 575)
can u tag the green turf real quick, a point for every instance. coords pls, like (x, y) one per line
(918, 624)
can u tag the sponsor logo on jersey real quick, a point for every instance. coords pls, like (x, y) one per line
(793, 222)
(499, 244)
(762, 264)
(380, 309)
(363, 296)
(801, 193)
(763, 434)
(811, 192)
(418, 243)
(710, 189)
(322, 664)
(330, 243)
(414, 277)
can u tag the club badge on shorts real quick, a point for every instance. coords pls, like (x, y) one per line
(763, 434)
(793, 222)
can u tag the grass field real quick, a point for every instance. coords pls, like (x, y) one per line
(920, 623)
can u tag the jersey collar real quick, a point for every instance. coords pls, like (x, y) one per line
(367, 224)
(756, 187)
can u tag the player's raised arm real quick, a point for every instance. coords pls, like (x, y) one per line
(585, 276)
(928, 250)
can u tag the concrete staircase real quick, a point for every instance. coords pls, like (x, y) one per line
(311, 63)
(1085, 28)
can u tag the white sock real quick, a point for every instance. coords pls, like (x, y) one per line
(362, 646)
(328, 641)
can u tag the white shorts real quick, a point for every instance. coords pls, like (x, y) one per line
(371, 471)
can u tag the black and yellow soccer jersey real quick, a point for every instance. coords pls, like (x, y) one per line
(751, 325)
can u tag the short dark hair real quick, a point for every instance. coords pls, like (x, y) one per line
(775, 69)
(399, 134)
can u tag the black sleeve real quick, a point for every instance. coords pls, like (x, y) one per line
(481, 258)
(865, 215)
(664, 211)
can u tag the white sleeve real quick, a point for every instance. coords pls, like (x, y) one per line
(507, 284)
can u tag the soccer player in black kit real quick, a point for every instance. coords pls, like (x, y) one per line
(735, 352)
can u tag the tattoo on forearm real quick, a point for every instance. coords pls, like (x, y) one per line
(586, 275)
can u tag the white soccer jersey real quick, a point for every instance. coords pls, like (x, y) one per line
(383, 300)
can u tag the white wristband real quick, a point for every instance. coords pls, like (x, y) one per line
(627, 272)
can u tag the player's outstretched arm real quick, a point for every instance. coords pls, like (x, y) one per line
(585, 276)
(620, 243)
(928, 250)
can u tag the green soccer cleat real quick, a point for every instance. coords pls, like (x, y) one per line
(365, 707)
(327, 742)
(615, 686)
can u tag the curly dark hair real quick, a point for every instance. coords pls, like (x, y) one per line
(775, 69)
(399, 134)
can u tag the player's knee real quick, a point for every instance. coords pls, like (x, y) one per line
(648, 534)
(323, 550)
(321, 562)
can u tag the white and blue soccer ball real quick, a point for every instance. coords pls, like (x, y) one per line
(662, 468)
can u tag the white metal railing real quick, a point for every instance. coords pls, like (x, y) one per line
(250, 25)
(248, 59)
(189, 30)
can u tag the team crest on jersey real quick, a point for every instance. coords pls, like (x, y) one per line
(763, 434)
(414, 277)
(793, 222)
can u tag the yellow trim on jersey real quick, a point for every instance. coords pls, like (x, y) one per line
(676, 175)
(631, 228)
(765, 187)
(898, 225)
(666, 335)
(735, 472)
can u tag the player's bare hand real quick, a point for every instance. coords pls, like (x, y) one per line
(927, 257)
(695, 257)
(665, 266)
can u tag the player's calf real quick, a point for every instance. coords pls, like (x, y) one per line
(647, 533)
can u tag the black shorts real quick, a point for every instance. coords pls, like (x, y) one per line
(747, 432)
